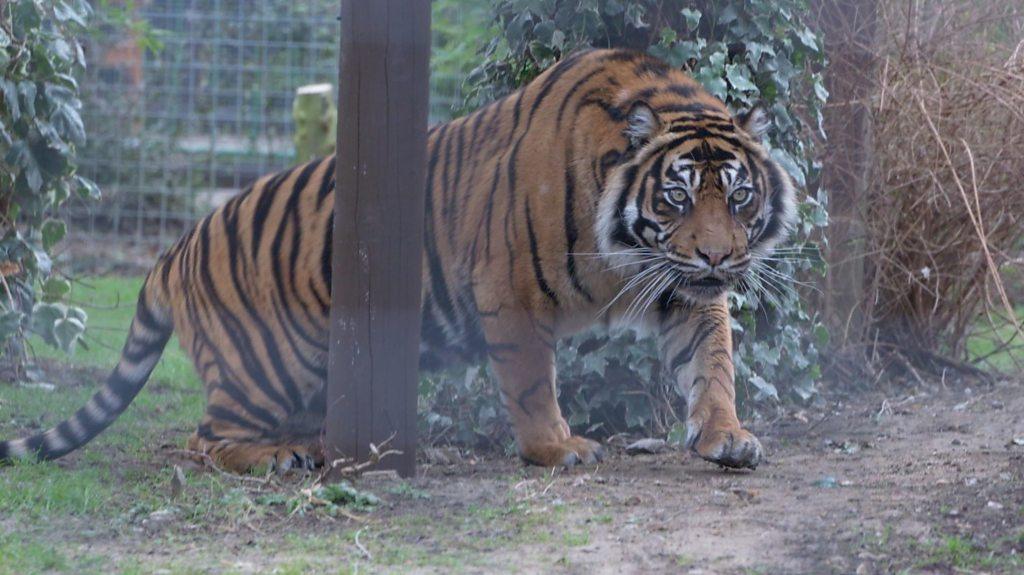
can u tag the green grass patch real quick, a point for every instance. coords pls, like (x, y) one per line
(987, 345)
(166, 410)
(964, 554)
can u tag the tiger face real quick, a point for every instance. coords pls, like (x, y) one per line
(697, 202)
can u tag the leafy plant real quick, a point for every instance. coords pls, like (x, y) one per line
(744, 52)
(40, 131)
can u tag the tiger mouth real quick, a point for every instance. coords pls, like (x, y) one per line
(707, 282)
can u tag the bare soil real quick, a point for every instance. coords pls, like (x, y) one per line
(873, 486)
(931, 482)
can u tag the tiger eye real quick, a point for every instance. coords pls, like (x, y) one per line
(678, 195)
(741, 195)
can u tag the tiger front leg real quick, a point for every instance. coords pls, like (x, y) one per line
(524, 361)
(696, 345)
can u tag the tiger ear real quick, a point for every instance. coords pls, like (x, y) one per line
(641, 124)
(754, 122)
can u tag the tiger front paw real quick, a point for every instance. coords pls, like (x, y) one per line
(730, 447)
(565, 453)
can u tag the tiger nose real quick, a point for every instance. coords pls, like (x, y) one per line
(713, 257)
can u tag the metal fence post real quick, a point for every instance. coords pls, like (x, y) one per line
(378, 229)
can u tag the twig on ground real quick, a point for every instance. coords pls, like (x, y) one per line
(366, 552)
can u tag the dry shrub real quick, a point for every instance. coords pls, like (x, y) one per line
(946, 193)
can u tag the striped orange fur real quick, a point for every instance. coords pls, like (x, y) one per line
(611, 189)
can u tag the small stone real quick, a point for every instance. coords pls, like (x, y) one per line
(745, 495)
(828, 482)
(719, 498)
(994, 506)
(1017, 442)
(863, 569)
(158, 520)
(648, 445)
(956, 442)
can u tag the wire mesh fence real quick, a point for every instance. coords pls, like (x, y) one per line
(193, 101)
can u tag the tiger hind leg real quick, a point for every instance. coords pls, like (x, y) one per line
(240, 456)
(248, 437)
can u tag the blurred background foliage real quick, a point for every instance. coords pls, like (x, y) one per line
(41, 131)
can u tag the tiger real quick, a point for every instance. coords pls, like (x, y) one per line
(612, 191)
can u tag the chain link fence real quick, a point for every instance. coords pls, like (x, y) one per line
(188, 101)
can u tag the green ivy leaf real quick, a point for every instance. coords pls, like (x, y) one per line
(20, 155)
(68, 122)
(27, 94)
(739, 79)
(635, 15)
(10, 93)
(53, 231)
(807, 38)
(692, 17)
(54, 289)
(87, 188)
(66, 332)
(77, 11)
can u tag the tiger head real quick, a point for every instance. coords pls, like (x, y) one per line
(695, 202)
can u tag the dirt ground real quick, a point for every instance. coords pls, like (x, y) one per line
(861, 488)
(929, 482)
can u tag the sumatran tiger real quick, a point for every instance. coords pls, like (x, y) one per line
(610, 190)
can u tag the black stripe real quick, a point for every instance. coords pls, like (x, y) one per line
(489, 209)
(66, 433)
(262, 329)
(224, 415)
(435, 271)
(685, 91)
(571, 232)
(262, 209)
(144, 315)
(554, 76)
(236, 331)
(652, 67)
(692, 108)
(538, 272)
(327, 184)
(572, 92)
(135, 350)
(621, 233)
(705, 328)
(290, 219)
(245, 402)
(326, 252)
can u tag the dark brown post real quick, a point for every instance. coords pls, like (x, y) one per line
(378, 230)
(849, 28)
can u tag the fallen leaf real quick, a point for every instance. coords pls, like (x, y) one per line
(648, 445)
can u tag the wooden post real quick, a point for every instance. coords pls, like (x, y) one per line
(849, 28)
(378, 230)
